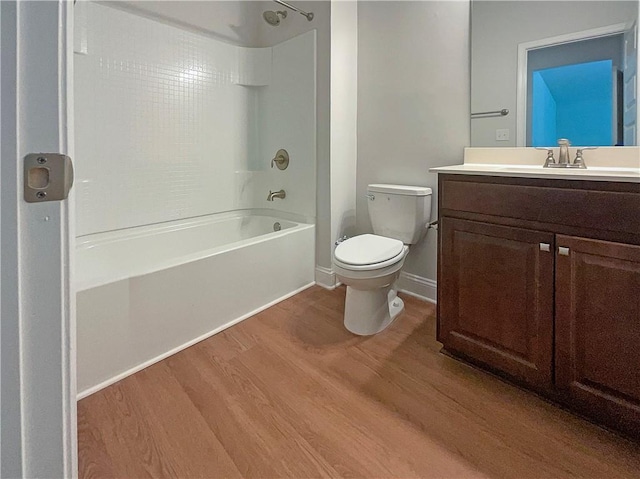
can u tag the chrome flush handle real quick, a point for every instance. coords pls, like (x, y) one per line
(341, 239)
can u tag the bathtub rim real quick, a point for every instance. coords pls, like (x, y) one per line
(143, 230)
(90, 241)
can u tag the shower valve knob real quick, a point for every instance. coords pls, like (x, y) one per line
(281, 160)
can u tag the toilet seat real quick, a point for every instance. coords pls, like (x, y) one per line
(368, 252)
(375, 267)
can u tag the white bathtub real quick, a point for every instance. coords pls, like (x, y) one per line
(145, 293)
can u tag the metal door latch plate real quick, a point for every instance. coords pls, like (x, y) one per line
(47, 177)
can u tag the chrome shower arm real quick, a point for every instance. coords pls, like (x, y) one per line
(309, 15)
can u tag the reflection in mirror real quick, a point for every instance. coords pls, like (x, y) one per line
(563, 69)
(591, 114)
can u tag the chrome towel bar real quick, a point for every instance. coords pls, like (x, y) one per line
(503, 112)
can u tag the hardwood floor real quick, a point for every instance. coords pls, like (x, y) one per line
(291, 393)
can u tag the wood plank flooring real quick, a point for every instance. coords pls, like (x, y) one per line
(290, 393)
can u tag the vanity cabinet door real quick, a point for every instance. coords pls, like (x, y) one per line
(598, 329)
(496, 298)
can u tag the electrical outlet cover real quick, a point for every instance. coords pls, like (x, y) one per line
(502, 134)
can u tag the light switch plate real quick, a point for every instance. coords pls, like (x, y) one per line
(502, 134)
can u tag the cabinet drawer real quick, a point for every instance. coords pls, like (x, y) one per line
(580, 205)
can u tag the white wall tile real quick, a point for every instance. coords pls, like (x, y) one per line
(254, 66)
(164, 132)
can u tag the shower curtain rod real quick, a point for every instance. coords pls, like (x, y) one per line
(309, 15)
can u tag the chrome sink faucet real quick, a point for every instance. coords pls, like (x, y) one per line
(276, 194)
(563, 160)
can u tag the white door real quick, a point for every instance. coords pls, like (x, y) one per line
(630, 78)
(37, 331)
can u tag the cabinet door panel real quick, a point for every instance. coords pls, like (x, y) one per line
(496, 297)
(598, 329)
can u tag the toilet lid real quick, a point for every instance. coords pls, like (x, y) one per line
(368, 249)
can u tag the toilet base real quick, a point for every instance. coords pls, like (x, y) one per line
(368, 312)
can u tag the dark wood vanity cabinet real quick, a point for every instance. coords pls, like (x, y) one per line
(597, 338)
(539, 281)
(499, 297)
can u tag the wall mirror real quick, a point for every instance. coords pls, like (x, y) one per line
(543, 70)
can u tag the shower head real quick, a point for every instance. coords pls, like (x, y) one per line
(273, 18)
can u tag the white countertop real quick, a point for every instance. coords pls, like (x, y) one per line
(603, 164)
(594, 173)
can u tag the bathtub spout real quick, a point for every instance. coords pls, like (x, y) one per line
(276, 194)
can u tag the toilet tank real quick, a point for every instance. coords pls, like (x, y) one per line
(399, 211)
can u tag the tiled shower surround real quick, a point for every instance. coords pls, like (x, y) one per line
(172, 124)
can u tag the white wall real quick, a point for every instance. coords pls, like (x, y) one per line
(413, 101)
(167, 128)
(344, 116)
(497, 29)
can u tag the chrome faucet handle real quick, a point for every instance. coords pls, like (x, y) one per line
(578, 161)
(550, 159)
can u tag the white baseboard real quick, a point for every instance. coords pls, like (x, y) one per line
(326, 278)
(414, 285)
(146, 364)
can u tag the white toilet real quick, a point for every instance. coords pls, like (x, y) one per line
(369, 264)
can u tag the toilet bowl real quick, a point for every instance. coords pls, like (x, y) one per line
(370, 264)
